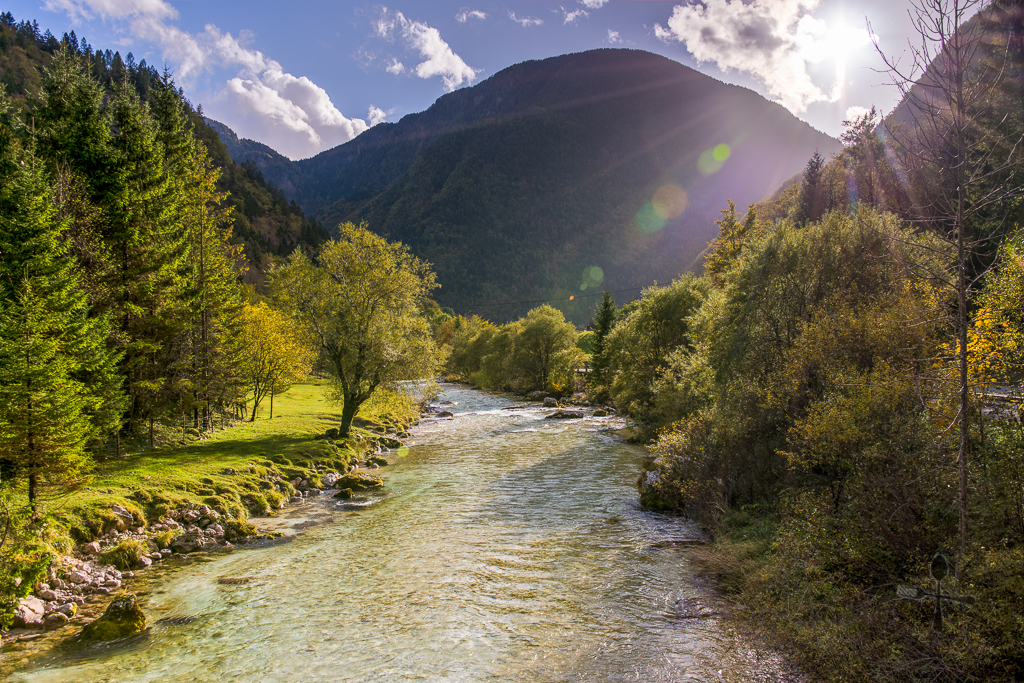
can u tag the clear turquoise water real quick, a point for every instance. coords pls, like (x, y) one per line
(507, 548)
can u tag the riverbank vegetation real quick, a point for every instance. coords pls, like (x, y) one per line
(837, 399)
(134, 335)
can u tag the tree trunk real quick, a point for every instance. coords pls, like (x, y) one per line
(33, 494)
(253, 418)
(348, 411)
(271, 404)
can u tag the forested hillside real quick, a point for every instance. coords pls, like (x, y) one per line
(603, 168)
(266, 223)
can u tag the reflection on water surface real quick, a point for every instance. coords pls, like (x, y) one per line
(508, 548)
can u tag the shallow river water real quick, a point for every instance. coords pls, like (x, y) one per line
(506, 547)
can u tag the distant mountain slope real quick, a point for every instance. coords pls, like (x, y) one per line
(518, 187)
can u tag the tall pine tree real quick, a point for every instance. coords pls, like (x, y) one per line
(58, 384)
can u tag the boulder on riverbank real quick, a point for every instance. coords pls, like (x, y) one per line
(358, 481)
(123, 618)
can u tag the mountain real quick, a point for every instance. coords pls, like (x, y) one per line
(556, 177)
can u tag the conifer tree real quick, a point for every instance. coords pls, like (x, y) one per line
(604, 319)
(58, 385)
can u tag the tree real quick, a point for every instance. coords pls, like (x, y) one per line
(542, 335)
(271, 354)
(58, 384)
(604, 320)
(360, 298)
(949, 145)
(732, 234)
(811, 202)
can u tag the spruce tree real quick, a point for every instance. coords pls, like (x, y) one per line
(604, 320)
(58, 386)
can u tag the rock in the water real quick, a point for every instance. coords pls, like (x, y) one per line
(123, 618)
(358, 481)
(344, 494)
(143, 562)
(550, 402)
(444, 413)
(329, 479)
(29, 612)
(564, 415)
(537, 395)
(377, 460)
(600, 413)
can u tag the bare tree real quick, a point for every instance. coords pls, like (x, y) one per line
(956, 155)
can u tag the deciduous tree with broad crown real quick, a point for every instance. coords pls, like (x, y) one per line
(360, 298)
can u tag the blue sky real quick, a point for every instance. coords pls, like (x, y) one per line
(307, 75)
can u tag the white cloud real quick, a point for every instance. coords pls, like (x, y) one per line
(855, 112)
(593, 4)
(292, 114)
(773, 40)
(525, 21)
(613, 37)
(438, 57)
(376, 115)
(465, 15)
(574, 16)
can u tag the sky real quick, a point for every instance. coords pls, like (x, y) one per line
(308, 75)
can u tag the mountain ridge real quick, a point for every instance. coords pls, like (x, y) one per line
(553, 165)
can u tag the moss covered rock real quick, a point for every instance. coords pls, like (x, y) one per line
(344, 494)
(358, 481)
(123, 618)
(377, 460)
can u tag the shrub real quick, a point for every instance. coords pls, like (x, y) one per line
(125, 554)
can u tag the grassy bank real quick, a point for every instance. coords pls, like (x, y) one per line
(229, 469)
(241, 470)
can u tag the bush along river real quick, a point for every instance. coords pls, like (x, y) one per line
(505, 546)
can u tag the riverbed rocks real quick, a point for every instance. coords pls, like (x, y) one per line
(550, 402)
(377, 460)
(343, 494)
(122, 618)
(565, 415)
(444, 413)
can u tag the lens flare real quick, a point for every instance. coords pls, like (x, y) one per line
(711, 160)
(571, 297)
(670, 201)
(592, 277)
(648, 219)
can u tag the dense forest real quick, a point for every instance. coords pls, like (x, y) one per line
(265, 222)
(837, 398)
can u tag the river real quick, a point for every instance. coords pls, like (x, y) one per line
(505, 547)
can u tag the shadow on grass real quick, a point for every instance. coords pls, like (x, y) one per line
(204, 455)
